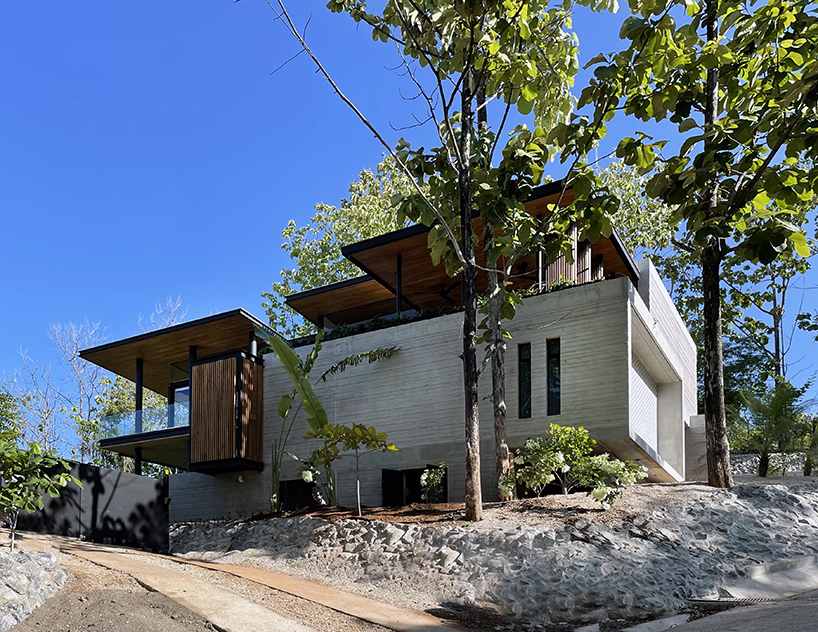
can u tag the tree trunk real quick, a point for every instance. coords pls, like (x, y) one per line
(496, 341)
(763, 464)
(808, 465)
(715, 417)
(778, 317)
(474, 503)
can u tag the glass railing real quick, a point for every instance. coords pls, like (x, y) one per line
(148, 420)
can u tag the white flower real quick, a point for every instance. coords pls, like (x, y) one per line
(307, 476)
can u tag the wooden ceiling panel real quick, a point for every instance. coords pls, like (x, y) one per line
(424, 285)
(332, 301)
(164, 347)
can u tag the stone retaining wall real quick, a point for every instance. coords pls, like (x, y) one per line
(27, 579)
(584, 572)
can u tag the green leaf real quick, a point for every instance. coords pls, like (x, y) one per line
(799, 242)
(316, 415)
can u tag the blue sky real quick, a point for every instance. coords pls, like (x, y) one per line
(147, 151)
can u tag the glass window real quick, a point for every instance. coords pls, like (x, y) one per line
(553, 353)
(524, 373)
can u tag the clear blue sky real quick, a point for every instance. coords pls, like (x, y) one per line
(146, 151)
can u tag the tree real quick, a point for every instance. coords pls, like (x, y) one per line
(773, 419)
(27, 474)
(82, 382)
(754, 296)
(298, 371)
(356, 438)
(316, 247)
(742, 96)
(164, 315)
(11, 420)
(518, 54)
(39, 401)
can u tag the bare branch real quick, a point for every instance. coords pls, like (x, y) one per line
(438, 215)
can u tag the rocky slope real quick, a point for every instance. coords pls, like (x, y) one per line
(582, 570)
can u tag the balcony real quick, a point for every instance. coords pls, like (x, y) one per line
(212, 373)
(161, 433)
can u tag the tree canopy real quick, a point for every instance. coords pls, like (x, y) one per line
(315, 248)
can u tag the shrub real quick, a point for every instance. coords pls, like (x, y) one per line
(564, 456)
(431, 483)
(28, 473)
(608, 478)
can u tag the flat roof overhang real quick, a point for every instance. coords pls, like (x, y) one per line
(167, 447)
(161, 349)
(424, 285)
(351, 301)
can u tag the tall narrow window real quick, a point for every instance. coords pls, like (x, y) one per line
(524, 373)
(553, 353)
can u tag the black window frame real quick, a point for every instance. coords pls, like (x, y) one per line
(524, 407)
(553, 354)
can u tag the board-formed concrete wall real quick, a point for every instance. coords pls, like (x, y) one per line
(417, 398)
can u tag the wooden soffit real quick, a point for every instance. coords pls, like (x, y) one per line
(424, 285)
(163, 348)
(345, 302)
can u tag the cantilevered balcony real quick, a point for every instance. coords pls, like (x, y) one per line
(213, 375)
(160, 433)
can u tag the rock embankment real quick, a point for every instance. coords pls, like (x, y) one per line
(586, 571)
(27, 579)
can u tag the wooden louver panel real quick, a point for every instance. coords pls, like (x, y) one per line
(560, 270)
(251, 398)
(213, 411)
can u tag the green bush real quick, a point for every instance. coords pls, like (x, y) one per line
(431, 483)
(563, 456)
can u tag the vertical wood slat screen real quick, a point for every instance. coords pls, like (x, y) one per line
(213, 411)
(251, 418)
(584, 262)
(560, 269)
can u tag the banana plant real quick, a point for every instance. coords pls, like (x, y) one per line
(303, 394)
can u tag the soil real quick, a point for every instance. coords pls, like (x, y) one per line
(112, 611)
(554, 511)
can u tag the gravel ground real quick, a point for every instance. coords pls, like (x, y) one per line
(86, 576)
(555, 512)
(71, 611)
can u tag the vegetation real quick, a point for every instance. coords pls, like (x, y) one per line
(563, 456)
(740, 95)
(521, 56)
(316, 247)
(431, 483)
(775, 421)
(27, 474)
(319, 427)
(62, 409)
(356, 438)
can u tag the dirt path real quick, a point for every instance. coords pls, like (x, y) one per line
(112, 611)
(83, 606)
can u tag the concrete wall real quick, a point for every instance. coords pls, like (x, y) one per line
(696, 450)
(671, 334)
(644, 404)
(417, 396)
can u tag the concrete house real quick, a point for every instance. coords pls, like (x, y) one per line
(607, 351)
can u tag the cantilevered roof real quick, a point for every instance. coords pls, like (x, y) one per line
(344, 302)
(424, 285)
(163, 348)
